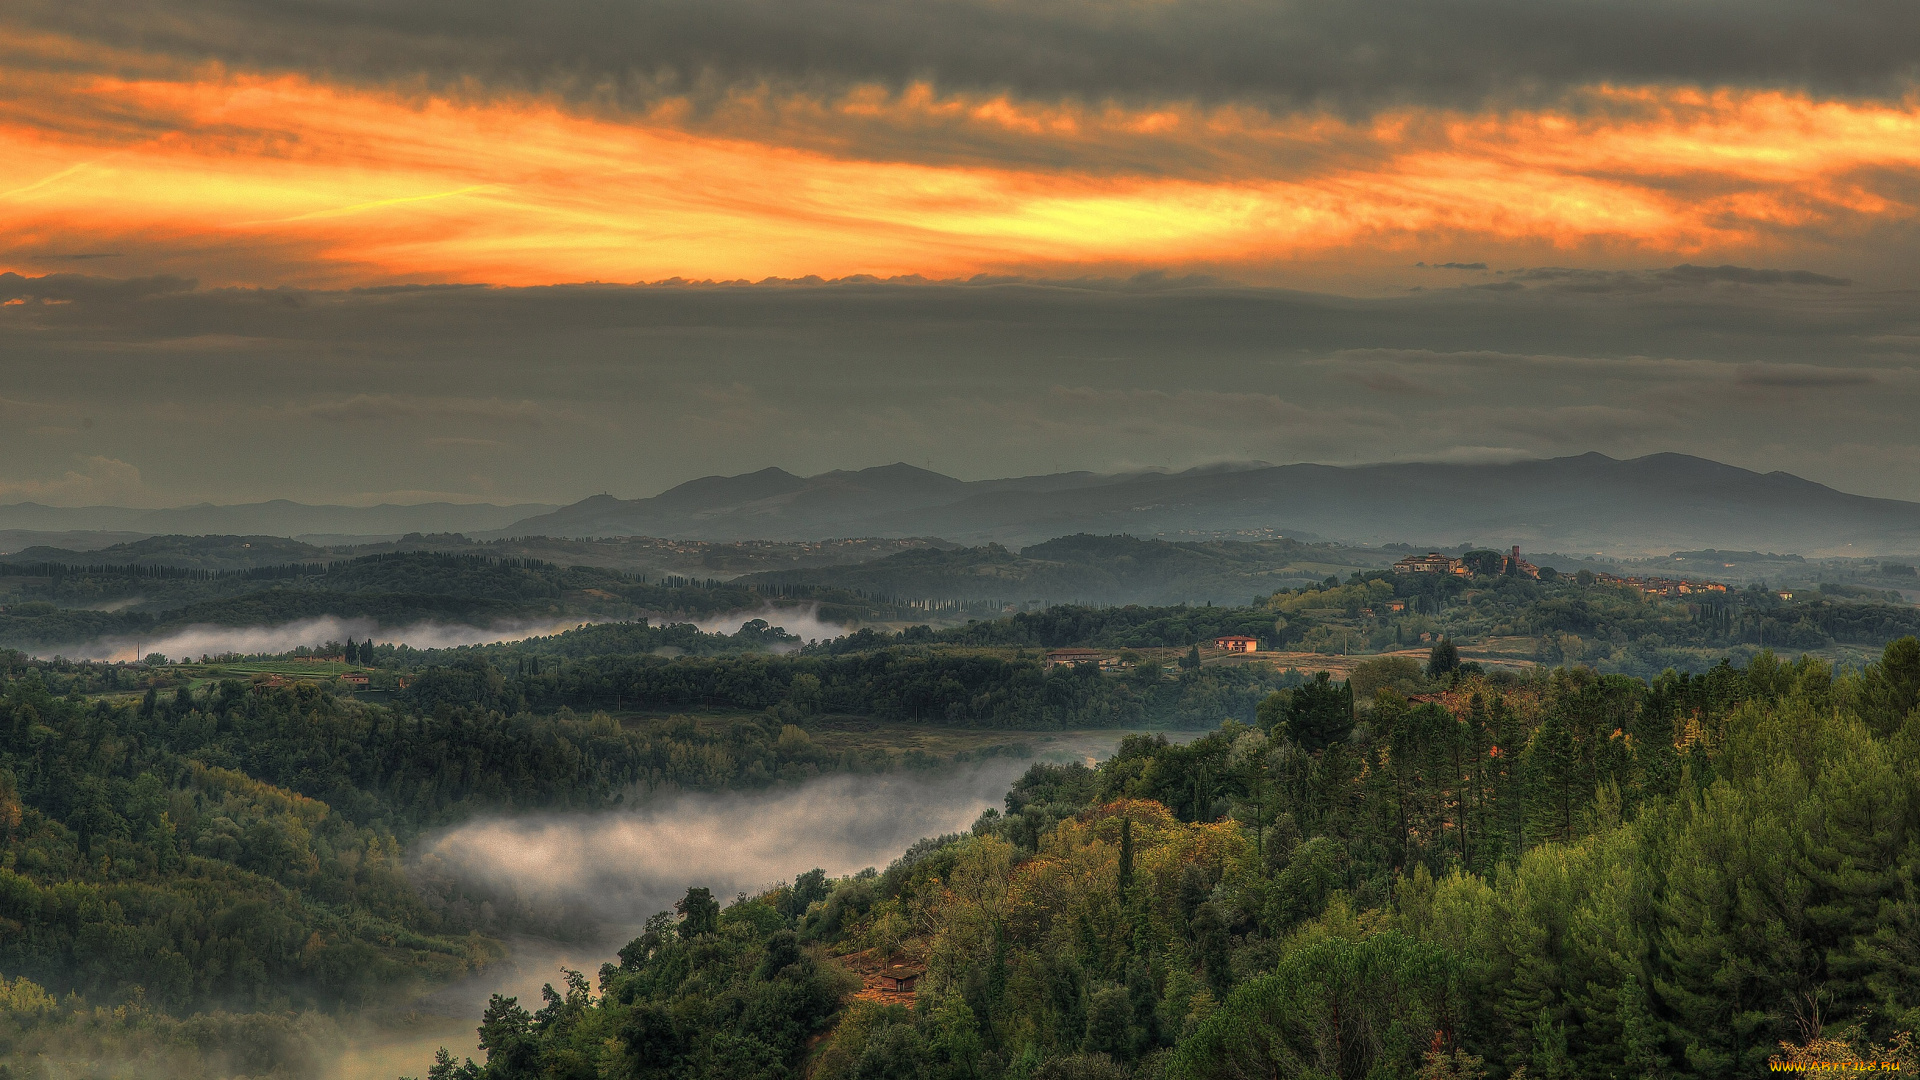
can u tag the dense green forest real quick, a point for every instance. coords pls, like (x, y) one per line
(1566, 875)
(222, 867)
(918, 683)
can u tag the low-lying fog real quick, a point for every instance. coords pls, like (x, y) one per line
(207, 640)
(618, 867)
(612, 869)
(804, 622)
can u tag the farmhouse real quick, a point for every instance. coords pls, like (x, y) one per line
(1236, 643)
(900, 978)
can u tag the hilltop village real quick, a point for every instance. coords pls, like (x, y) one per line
(1498, 608)
(1493, 562)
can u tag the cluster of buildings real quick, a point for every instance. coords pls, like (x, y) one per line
(1435, 563)
(1106, 661)
(1511, 563)
(1660, 586)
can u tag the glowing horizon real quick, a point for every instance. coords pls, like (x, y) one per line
(249, 179)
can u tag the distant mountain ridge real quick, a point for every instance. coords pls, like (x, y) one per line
(1591, 502)
(279, 517)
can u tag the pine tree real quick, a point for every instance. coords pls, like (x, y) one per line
(1893, 686)
(1320, 713)
(1553, 765)
(1144, 996)
(1506, 785)
(1549, 1058)
(1640, 1054)
(1479, 841)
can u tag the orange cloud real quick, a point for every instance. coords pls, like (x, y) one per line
(262, 180)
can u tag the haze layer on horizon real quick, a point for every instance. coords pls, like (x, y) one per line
(247, 242)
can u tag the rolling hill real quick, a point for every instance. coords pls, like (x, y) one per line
(1089, 569)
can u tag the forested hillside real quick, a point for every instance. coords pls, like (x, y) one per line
(213, 872)
(1553, 620)
(53, 604)
(917, 683)
(1567, 875)
(1091, 569)
(979, 597)
(993, 671)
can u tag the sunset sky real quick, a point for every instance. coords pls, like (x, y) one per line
(1121, 234)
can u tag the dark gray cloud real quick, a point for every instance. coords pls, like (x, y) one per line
(1747, 275)
(1584, 280)
(551, 394)
(62, 288)
(1356, 53)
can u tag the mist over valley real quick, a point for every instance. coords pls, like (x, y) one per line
(591, 880)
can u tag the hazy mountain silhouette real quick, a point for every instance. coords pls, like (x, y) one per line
(279, 517)
(1591, 502)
